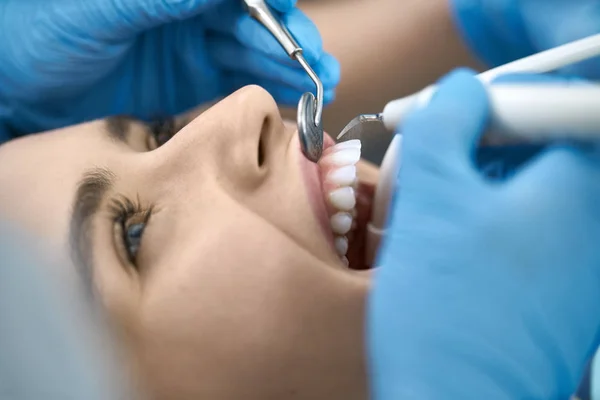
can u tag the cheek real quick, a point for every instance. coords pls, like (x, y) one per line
(224, 282)
(228, 308)
(285, 203)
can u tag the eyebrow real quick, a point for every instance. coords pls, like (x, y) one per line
(90, 195)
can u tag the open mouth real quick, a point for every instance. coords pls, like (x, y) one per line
(357, 248)
(349, 203)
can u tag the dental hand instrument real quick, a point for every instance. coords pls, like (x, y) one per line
(310, 109)
(533, 112)
(526, 123)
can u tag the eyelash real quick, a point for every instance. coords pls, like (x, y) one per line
(123, 210)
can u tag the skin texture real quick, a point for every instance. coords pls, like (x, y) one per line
(235, 293)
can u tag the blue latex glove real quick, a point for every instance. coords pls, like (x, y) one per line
(487, 290)
(499, 31)
(67, 61)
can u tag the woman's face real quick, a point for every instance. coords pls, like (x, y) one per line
(211, 252)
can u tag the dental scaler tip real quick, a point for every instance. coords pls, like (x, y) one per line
(355, 127)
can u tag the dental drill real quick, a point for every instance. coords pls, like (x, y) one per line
(523, 112)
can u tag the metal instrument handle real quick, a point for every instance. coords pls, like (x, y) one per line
(259, 10)
(309, 123)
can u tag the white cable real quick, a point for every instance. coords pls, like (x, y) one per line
(546, 61)
(549, 60)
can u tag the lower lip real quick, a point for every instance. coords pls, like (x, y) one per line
(312, 179)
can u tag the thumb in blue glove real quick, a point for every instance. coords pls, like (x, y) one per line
(69, 61)
(486, 290)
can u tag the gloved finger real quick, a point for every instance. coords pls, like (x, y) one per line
(450, 125)
(588, 68)
(561, 177)
(282, 5)
(230, 19)
(122, 19)
(283, 94)
(229, 55)
(498, 163)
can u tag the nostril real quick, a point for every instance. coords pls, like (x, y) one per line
(261, 151)
(263, 141)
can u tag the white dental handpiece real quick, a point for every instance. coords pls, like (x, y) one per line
(530, 112)
(507, 99)
(533, 112)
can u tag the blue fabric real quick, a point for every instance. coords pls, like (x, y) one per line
(488, 288)
(67, 61)
(500, 31)
(54, 345)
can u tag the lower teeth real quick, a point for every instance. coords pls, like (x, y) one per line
(341, 245)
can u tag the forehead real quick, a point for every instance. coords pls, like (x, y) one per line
(40, 173)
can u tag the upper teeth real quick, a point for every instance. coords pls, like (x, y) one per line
(341, 223)
(343, 156)
(343, 198)
(338, 165)
(342, 176)
(341, 244)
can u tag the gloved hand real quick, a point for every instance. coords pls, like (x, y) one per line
(500, 31)
(486, 290)
(67, 61)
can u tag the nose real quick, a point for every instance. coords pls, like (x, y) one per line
(239, 138)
